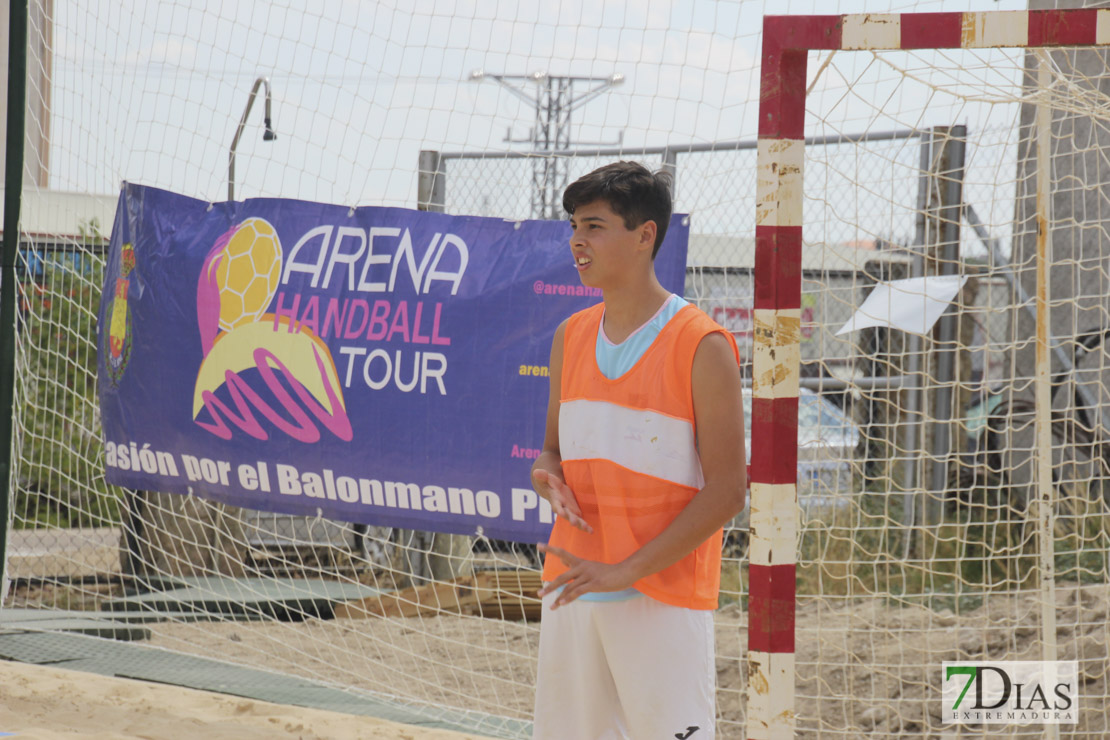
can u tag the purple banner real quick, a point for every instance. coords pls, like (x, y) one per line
(373, 365)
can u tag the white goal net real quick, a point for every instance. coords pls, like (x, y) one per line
(934, 524)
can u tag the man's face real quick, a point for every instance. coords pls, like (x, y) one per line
(604, 249)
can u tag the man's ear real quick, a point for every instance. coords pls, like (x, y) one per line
(647, 234)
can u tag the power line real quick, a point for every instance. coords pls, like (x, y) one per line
(554, 100)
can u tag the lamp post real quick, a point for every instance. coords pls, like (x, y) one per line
(267, 135)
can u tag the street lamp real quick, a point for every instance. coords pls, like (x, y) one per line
(267, 135)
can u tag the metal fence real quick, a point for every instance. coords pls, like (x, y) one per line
(879, 206)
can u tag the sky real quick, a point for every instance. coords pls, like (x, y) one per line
(150, 91)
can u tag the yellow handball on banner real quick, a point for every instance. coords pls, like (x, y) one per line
(248, 273)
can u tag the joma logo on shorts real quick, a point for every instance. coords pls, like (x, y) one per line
(689, 731)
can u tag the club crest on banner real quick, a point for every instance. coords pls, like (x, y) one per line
(119, 332)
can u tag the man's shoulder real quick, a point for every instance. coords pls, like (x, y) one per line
(592, 313)
(698, 325)
(595, 309)
(697, 320)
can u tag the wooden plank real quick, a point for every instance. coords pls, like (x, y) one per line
(418, 601)
(495, 594)
(507, 594)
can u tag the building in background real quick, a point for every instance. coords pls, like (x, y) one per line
(40, 51)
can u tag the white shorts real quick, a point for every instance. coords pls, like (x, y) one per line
(625, 670)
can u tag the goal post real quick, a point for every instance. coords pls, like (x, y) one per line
(787, 44)
(13, 180)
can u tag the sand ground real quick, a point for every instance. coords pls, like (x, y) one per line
(44, 703)
(865, 668)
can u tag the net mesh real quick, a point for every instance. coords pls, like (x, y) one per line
(933, 554)
(917, 457)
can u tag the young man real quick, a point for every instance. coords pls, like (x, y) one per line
(643, 462)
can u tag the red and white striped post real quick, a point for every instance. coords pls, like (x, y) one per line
(775, 364)
(778, 286)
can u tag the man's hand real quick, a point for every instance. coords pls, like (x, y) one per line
(562, 499)
(585, 576)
